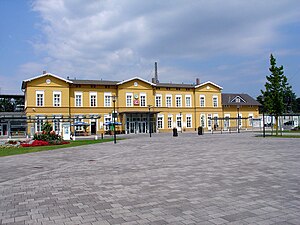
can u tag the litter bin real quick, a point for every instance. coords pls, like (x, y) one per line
(175, 133)
(200, 131)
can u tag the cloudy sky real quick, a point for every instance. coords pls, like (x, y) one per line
(226, 42)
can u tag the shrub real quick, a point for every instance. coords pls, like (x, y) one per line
(35, 143)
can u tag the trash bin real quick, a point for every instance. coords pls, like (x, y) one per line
(200, 131)
(175, 133)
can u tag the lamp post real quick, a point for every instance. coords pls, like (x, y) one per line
(180, 113)
(238, 119)
(149, 123)
(263, 114)
(114, 98)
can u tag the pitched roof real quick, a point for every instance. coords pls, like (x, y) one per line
(42, 75)
(245, 99)
(138, 78)
(94, 82)
(208, 82)
(175, 85)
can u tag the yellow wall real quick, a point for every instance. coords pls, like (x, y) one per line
(136, 87)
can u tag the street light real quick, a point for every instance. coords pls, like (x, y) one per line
(149, 123)
(238, 119)
(263, 114)
(114, 98)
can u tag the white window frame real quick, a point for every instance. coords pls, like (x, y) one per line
(190, 101)
(43, 98)
(214, 119)
(170, 125)
(93, 94)
(227, 120)
(179, 118)
(39, 123)
(213, 101)
(209, 121)
(167, 103)
(56, 124)
(107, 99)
(107, 118)
(160, 117)
(179, 97)
(191, 121)
(158, 100)
(78, 119)
(78, 93)
(202, 122)
(131, 100)
(202, 105)
(59, 100)
(250, 115)
(144, 95)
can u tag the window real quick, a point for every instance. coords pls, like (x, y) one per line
(202, 120)
(188, 121)
(39, 98)
(188, 101)
(202, 101)
(39, 124)
(215, 101)
(216, 121)
(209, 121)
(107, 99)
(107, 119)
(178, 101)
(250, 119)
(160, 119)
(93, 99)
(178, 120)
(57, 98)
(56, 123)
(168, 100)
(143, 102)
(78, 99)
(78, 128)
(158, 100)
(227, 122)
(129, 100)
(170, 121)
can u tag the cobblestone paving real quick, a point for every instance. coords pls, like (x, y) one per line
(190, 179)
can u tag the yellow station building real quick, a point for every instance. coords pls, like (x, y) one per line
(139, 104)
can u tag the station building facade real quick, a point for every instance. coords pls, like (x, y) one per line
(140, 106)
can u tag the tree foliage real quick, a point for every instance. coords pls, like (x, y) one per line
(278, 93)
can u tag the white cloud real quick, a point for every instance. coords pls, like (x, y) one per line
(117, 39)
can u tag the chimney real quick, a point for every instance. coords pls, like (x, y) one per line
(68, 78)
(44, 71)
(197, 81)
(153, 80)
(156, 75)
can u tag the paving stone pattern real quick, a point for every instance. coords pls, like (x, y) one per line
(190, 179)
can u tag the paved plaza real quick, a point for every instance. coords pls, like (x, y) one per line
(189, 179)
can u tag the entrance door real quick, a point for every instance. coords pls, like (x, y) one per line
(131, 127)
(93, 127)
(142, 127)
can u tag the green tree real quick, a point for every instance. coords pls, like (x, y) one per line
(277, 90)
(6, 105)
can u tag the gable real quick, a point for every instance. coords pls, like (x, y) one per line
(135, 83)
(238, 99)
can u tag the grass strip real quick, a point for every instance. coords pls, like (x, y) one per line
(16, 151)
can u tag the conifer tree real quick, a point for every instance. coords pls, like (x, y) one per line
(277, 90)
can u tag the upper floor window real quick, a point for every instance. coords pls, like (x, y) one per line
(178, 101)
(57, 98)
(202, 101)
(143, 102)
(188, 101)
(78, 99)
(129, 100)
(215, 101)
(168, 100)
(39, 98)
(107, 99)
(158, 100)
(93, 99)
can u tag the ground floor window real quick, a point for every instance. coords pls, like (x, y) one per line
(170, 121)
(188, 121)
(202, 120)
(78, 128)
(160, 122)
(178, 121)
(209, 121)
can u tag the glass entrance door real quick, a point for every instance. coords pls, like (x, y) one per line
(131, 127)
(142, 127)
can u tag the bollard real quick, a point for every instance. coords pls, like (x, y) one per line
(175, 133)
